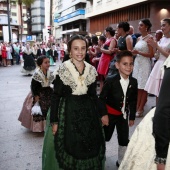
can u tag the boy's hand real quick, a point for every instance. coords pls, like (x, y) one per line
(36, 98)
(160, 167)
(131, 123)
(105, 120)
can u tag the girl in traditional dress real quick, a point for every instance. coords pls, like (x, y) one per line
(40, 92)
(28, 66)
(75, 115)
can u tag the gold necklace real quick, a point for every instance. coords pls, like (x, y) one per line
(45, 75)
(46, 79)
(80, 77)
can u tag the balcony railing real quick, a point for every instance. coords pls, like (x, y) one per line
(3, 8)
(71, 15)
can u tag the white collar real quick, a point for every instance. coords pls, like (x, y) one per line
(70, 76)
(123, 79)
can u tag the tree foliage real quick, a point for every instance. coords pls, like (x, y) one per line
(26, 2)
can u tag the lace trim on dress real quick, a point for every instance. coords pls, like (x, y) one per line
(66, 76)
(91, 77)
(70, 76)
(27, 51)
(44, 80)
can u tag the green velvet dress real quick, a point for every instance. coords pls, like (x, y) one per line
(49, 161)
(79, 142)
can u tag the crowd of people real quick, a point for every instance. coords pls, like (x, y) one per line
(79, 120)
(26, 54)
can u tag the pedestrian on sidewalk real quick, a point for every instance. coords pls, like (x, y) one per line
(9, 56)
(4, 54)
(16, 49)
(119, 93)
(0, 54)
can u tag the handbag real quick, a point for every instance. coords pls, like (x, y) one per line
(36, 109)
(112, 69)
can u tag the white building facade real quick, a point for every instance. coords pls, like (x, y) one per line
(69, 18)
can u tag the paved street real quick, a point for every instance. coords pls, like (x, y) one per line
(21, 149)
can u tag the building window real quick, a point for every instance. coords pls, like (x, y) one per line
(59, 2)
(14, 14)
(136, 12)
(99, 2)
(13, 6)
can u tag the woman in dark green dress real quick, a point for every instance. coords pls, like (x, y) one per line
(75, 115)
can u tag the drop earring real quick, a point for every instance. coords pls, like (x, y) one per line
(70, 55)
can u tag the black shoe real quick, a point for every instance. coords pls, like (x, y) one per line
(117, 164)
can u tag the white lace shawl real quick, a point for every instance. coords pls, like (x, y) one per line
(40, 77)
(70, 76)
(27, 51)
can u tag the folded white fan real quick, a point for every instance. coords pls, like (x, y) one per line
(36, 110)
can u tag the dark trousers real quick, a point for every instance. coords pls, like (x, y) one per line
(17, 58)
(122, 128)
(54, 58)
(12, 60)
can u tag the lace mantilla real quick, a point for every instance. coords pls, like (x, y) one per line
(70, 76)
(27, 51)
(44, 80)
